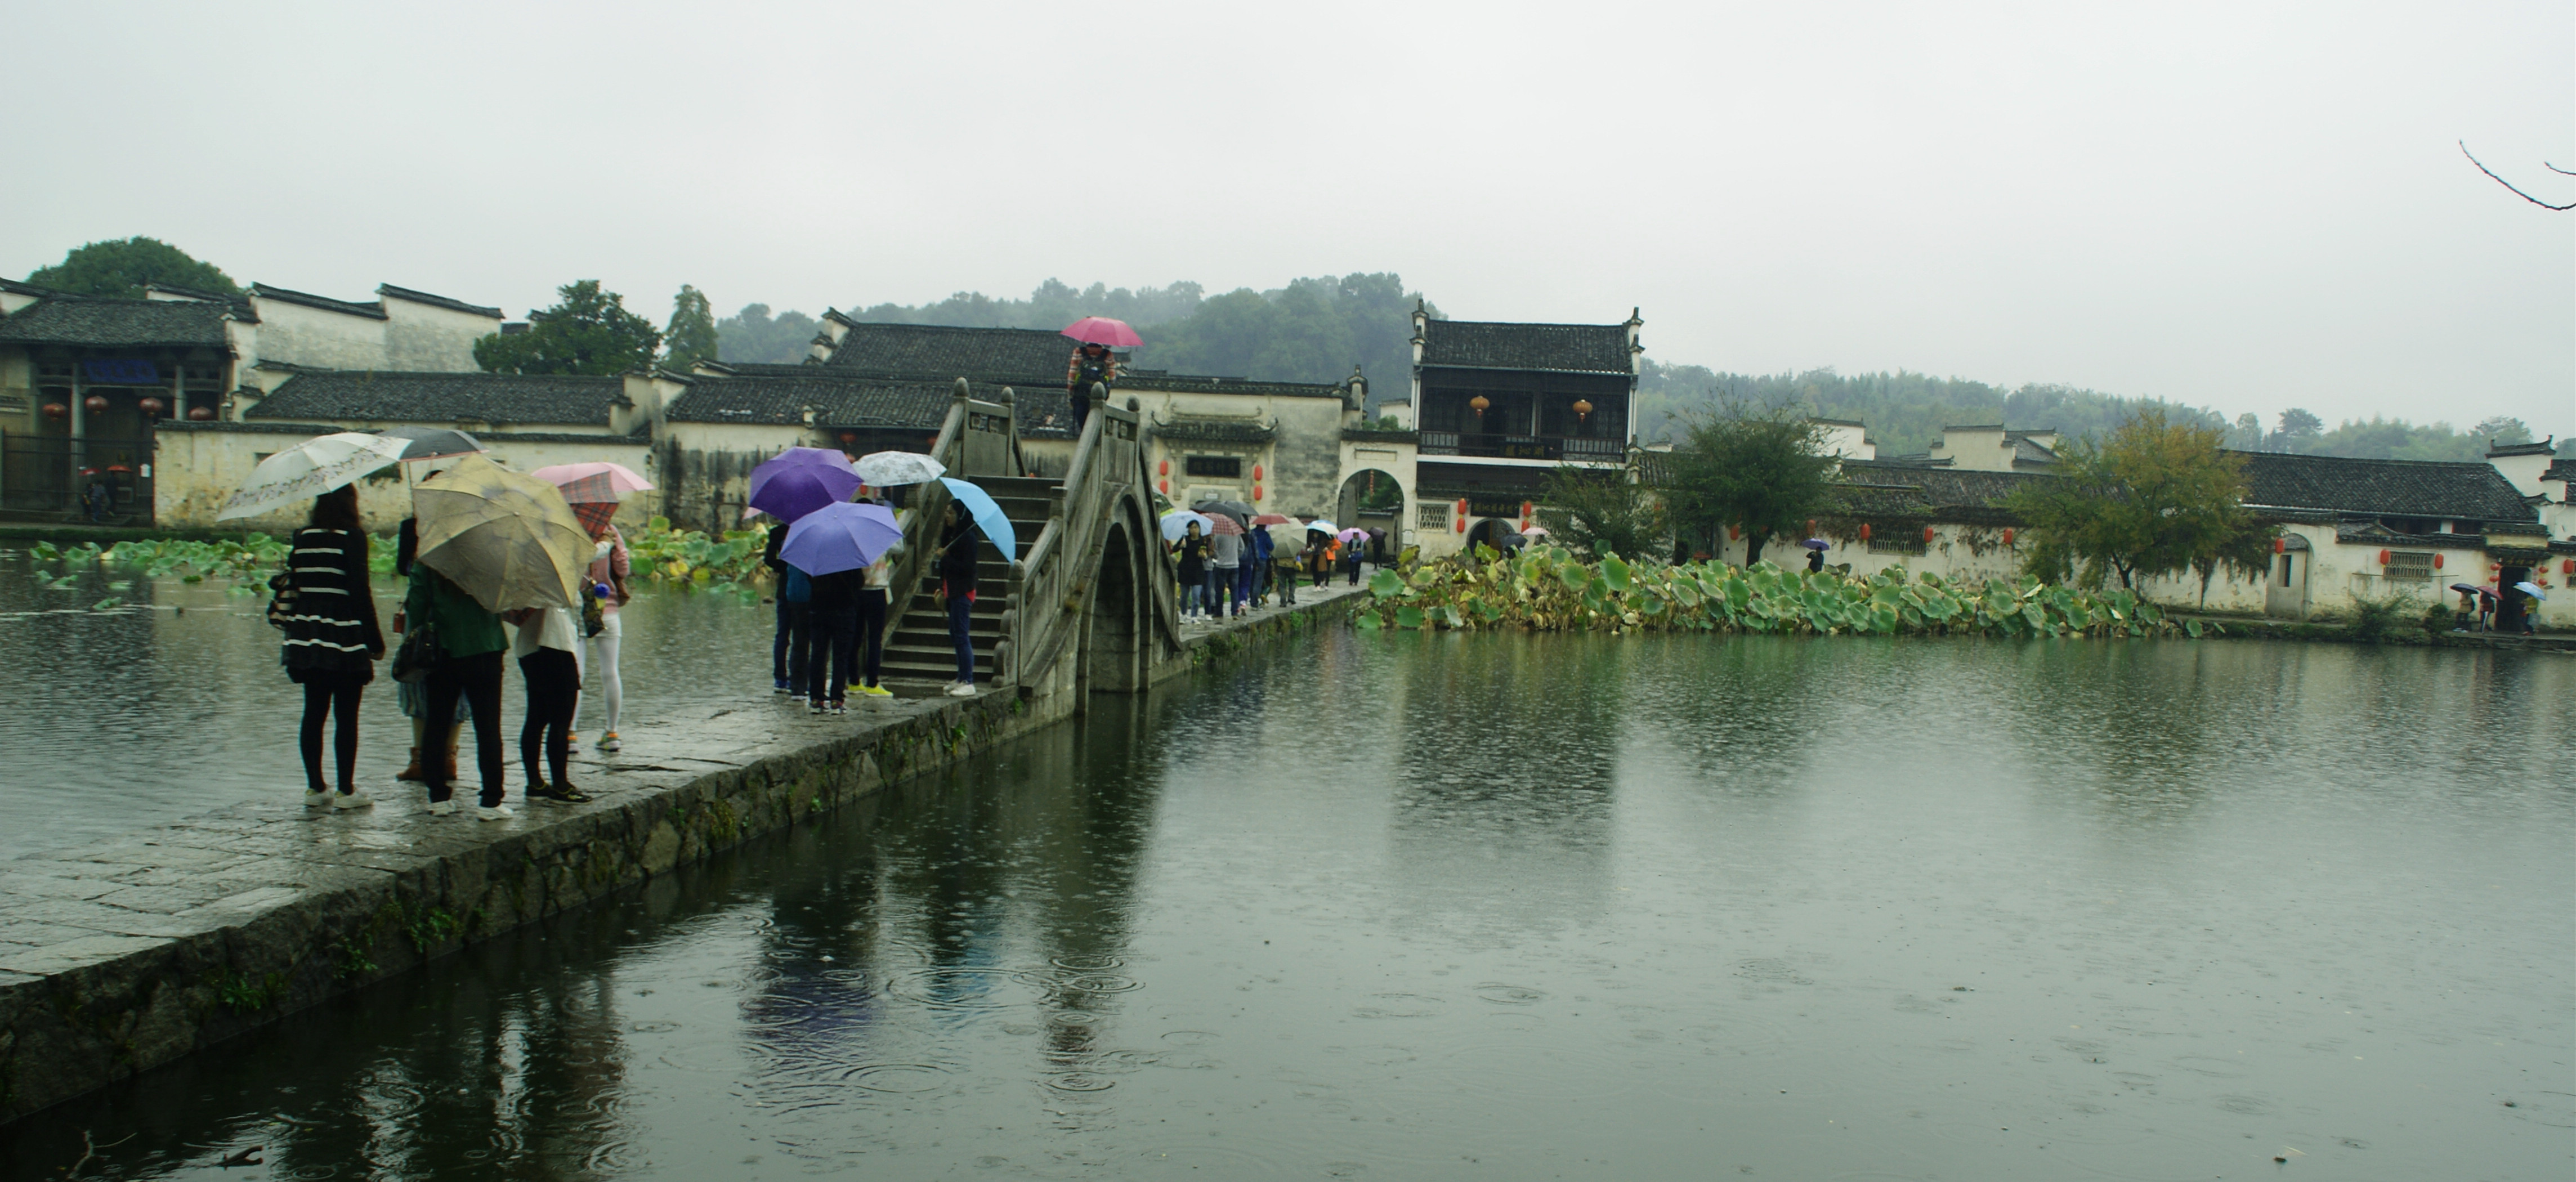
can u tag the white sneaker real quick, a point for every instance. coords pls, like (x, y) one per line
(315, 800)
(352, 800)
(443, 808)
(608, 742)
(962, 690)
(494, 812)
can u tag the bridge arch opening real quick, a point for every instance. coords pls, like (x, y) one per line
(1114, 630)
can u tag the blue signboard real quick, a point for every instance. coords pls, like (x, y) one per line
(121, 373)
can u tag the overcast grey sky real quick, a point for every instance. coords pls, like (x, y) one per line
(2241, 205)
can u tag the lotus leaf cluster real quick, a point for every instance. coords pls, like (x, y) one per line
(693, 559)
(1548, 589)
(252, 556)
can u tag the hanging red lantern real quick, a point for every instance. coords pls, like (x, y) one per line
(1256, 492)
(1864, 532)
(56, 410)
(1735, 532)
(1163, 486)
(1927, 535)
(848, 437)
(2437, 562)
(2383, 558)
(150, 406)
(97, 404)
(1462, 506)
(2280, 545)
(2008, 535)
(1526, 508)
(1480, 402)
(201, 414)
(1164, 469)
(1582, 409)
(1462, 525)
(1256, 471)
(2567, 567)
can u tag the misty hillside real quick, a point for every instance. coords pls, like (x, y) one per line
(1316, 329)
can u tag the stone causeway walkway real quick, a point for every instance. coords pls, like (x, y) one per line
(127, 953)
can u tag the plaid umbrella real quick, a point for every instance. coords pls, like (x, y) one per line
(593, 499)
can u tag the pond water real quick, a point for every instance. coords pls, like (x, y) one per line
(1430, 907)
(171, 702)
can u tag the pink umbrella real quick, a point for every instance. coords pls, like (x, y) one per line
(620, 477)
(1353, 535)
(1219, 523)
(1101, 330)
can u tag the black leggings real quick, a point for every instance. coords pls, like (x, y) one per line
(477, 679)
(325, 694)
(554, 692)
(872, 618)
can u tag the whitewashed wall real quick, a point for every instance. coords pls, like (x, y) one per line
(196, 471)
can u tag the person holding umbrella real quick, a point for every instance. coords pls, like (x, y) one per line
(548, 648)
(332, 638)
(1225, 562)
(466, 666)
(834, 545)
(1191, 549)
(957, 575)
(1092, 362)
(593, 490)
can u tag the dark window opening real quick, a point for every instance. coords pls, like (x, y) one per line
(1218, 467)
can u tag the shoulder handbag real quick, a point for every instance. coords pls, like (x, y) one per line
(281, 598)
(419, 655)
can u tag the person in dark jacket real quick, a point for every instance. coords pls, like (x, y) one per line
(1192, 549)
(791, 618)
(957, 569)
(332, 639)
(470, 642)
(828, 644)
(1815, 560)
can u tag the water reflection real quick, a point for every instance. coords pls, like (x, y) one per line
(1453, 907)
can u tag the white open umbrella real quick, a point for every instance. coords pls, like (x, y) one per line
(885, 469)
(310, 469)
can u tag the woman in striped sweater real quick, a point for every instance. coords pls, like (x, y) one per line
(332, 640)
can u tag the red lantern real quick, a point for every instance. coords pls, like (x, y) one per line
(2383, 558)
(150, 406)
(1864, 533)
(2008, 535)
(1811, 527)
(1163, 486)
(2437, 562)
(2280, 545)
(1462, 507)
(1256, 471)
(56, 410)
(201, 414)
(1526, 506)
(1735, 532)
(1164, 469)
(1462, 525)
(97, 404)
(849, 437)
(2567, 567)
(1256, 492)
(1927, 535)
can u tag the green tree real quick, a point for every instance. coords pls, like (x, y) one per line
(120, 267)
(2503, 429)
(691, 336)
(1600, 517)
(752, 335)
(1762, 469)
(588, 332)
(2156, 497)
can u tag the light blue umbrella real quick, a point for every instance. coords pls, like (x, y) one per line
(988, 516)
(1177, 523)
(844, 535)
(1321, 525)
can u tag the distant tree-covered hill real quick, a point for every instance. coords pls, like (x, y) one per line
(1315, 329)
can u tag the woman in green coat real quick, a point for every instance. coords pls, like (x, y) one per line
(470, 643)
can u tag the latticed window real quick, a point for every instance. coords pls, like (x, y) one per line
(2413, 566)
(1431, 515)
(1902, 543)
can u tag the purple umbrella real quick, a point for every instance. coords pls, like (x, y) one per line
(840, 536)
(1817, 544)
(800, 480)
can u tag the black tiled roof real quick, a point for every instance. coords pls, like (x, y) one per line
(1943, 487)
(1559, 348)
(1373, 435)
(780, 394)
(104, 323)
(2405, 488)
(1191, 383)
(2543, 448)
(1205, 430)
(345, 395)
(1016, 356)
(325, 303)
(387, 290)
(2560, 469)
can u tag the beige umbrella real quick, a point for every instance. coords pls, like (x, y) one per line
(507, 539)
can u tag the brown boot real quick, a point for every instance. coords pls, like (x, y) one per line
(411, 771)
